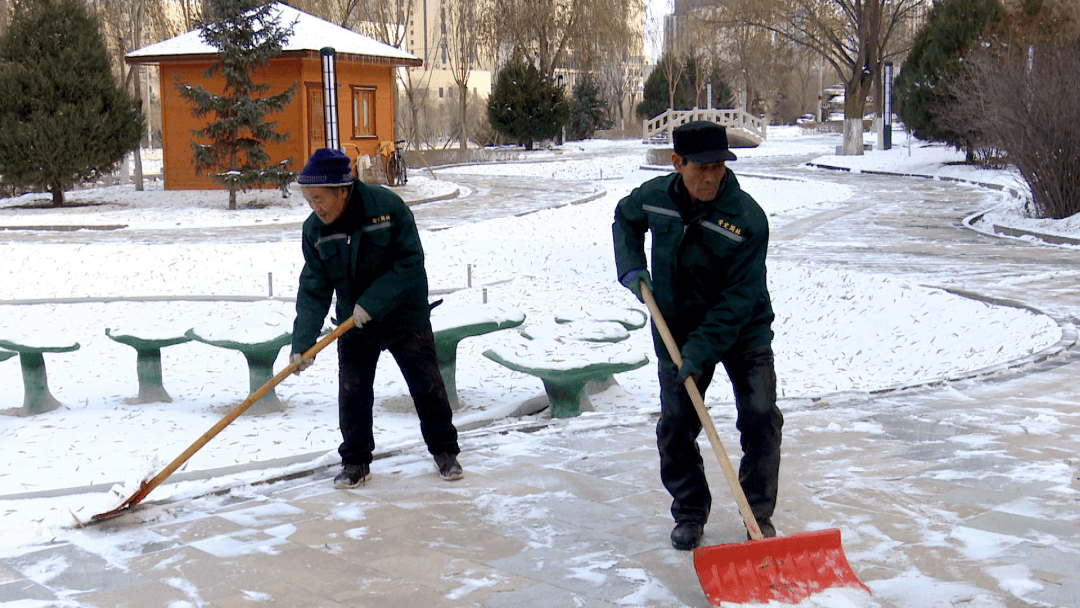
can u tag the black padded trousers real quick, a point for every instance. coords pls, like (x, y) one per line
(759, 421)
(415, 356)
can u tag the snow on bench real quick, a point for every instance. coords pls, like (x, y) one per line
(630, 318)
(452, 324)
(585, 331)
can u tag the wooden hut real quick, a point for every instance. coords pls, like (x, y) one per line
(365, 74)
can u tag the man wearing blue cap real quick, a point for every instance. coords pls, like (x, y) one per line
(361, 242)
(709, 241)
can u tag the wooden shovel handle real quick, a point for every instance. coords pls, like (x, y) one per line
(149, 485)
(703, 414)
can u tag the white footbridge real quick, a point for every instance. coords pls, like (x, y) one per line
(744, 130)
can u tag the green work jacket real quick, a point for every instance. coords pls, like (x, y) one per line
(370, 256)
(708, 273)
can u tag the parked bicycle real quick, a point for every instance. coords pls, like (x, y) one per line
(397, 174)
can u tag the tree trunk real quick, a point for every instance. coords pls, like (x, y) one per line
(57, 195)
(671, 108)
(854, 107)
(853, 137)
(464, 88)
(138, 149)
(138, 96)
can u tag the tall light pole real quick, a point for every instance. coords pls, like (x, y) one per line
(330, 103)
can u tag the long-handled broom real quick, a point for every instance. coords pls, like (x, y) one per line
(148, 485)
(783, 569)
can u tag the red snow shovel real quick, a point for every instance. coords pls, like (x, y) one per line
(783, 569)
(148, 485)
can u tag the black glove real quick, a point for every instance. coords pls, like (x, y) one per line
(688, 370)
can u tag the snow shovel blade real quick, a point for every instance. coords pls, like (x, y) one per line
(784, 569)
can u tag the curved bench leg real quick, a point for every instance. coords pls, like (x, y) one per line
(261, 371)
(148, 368)
(567, 397)
(36, 396)
(446, 355)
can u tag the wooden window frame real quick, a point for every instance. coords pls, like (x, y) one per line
(358, 94)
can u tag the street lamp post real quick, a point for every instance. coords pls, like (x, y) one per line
(886, 129)
(561, 135)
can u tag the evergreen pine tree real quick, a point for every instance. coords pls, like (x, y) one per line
(588, 111)
(935, 58)
(525, 106)
(248, 35)
(63, 119)
(654, 98)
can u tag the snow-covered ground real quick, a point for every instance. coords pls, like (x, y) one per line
(836, 331)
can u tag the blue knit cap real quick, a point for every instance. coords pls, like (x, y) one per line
(326, 167)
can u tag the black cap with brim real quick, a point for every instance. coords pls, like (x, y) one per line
(702, 142)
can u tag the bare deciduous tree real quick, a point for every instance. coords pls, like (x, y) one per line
(855, 37)
(5, 16)
(462, 42)
(341, 12)
(191, 13)
(618, 73)
(123, 24)
(1020, 93)
(387, 21)
(556, 33)
(672, 63)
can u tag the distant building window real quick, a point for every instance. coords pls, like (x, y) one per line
(440, 92)
(363, 108)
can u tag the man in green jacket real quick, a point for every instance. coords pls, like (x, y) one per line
(709, 240)
(361, 242)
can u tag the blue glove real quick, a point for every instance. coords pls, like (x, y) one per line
(633, 280)
(688, 370)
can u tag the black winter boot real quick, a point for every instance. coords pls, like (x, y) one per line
(687, 535)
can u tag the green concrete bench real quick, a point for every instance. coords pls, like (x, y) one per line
(260, 344)
(148, 345)
(452, 324)
(567, 367)
(36, 396)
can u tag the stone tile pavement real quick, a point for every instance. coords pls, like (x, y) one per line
(937, 491)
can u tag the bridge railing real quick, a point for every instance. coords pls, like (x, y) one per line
(660, 127)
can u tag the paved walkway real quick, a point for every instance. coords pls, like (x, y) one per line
(956, 495)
